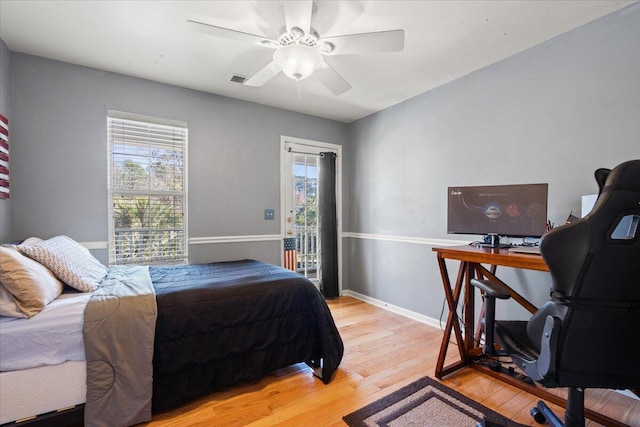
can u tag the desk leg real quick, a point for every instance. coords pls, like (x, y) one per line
(453, 297)
(469, 308)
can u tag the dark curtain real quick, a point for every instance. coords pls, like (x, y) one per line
(328, 224)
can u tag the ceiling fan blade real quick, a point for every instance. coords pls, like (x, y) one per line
(263, 76)
(297, 13)
(381, 41)
(226, 33)
(332, 80)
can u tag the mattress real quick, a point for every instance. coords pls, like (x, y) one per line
(59, 387)
(51, 337)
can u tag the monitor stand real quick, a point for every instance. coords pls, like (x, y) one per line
(494, 246)
(492, 241)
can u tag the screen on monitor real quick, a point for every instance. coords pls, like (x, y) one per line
(506, 210)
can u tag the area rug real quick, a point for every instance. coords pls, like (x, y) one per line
(426, 403)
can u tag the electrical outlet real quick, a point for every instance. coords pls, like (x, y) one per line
(269, 214)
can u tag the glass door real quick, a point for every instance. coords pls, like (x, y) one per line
(300, 160)
(302, 211)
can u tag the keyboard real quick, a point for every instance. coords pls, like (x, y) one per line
(525, 249)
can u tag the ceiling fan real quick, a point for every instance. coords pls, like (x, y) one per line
(300, 51)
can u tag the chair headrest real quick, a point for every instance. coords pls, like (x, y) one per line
(580, 255)
(601, 176)
(625, 176)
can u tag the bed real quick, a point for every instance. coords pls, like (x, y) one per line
(215, 325)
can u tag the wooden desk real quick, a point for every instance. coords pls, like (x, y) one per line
(471, 260)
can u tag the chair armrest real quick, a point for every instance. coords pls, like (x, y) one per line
(546, 363)
(492, 289)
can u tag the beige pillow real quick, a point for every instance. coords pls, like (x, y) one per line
(32, 285)
(68, 260)
(8, 306)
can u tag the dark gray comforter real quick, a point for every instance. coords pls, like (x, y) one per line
(224, 323)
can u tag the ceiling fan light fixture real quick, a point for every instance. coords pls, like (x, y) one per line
(299, 49)
(297, 61)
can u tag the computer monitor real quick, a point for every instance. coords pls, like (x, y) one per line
(495, 211)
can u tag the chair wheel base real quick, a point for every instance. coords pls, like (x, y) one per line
(548, 414)
(537, 415)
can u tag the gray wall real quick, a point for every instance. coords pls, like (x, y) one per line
(59, 155)
(5, 204)
(553, 114)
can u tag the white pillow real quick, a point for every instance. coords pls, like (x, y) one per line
(30, 283)
(68, 260)
(27, 241)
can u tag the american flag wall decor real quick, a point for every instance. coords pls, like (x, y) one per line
(290, 253)
(4, 157)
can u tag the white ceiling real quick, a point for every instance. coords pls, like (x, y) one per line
(444, 40)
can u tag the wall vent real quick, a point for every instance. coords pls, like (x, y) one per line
(237, 79)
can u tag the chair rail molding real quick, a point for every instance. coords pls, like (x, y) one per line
(103, 244)
(406, 239)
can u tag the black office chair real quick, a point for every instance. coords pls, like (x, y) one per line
(586, 335)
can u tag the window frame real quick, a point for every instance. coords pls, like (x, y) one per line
(157, 124)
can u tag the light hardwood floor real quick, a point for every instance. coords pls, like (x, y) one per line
(383, 352)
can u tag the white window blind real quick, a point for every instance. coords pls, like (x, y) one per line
(147, 192)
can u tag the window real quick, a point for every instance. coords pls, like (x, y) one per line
(147, 190)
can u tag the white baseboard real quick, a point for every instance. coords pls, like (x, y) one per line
(394, 309)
